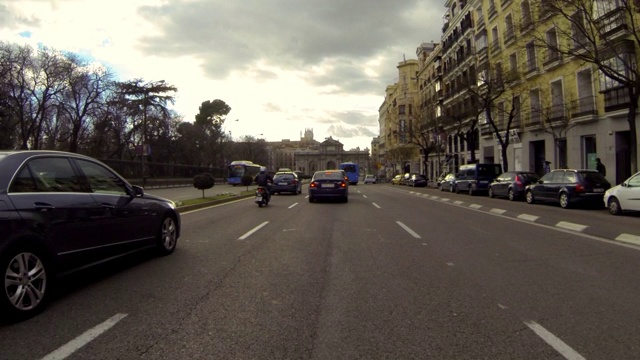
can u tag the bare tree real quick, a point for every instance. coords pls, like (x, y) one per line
(606, 35)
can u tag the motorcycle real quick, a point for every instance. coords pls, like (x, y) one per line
(262, 196)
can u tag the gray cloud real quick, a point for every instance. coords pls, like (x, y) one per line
(340, 131)
(295, 35)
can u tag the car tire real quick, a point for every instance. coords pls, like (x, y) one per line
(346, 199)
(450, 188)
(529, 197)
(563, 199)
(471, 190)
(456, 189)
(491, 194)
(614, 206)
(26, 270)
(311, 199)
(167, 236)
(441, 187)
(511, 195)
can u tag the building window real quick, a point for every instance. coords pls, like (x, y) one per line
(557, 111)
(553, 53)
(509, 33)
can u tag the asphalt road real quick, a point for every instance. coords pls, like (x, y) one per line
(396, 273)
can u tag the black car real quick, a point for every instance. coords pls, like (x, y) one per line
(417, 180)
(286, 181)
(568, 187)
(329, 184)
(511, 184)
(61, 212)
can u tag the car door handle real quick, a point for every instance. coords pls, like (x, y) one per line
(43, 206)
(108, 206)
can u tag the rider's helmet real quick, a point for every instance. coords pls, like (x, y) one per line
(263, 169)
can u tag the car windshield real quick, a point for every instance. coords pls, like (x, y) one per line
(489, 170)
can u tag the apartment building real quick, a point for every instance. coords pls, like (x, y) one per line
(566, 111)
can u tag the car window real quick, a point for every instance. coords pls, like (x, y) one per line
(328, 175)
(593, 178)
(47, 175)
(548, 177)
(570, 177)
(101, 179)
(530, 177)
(634, 181)
(283, 177)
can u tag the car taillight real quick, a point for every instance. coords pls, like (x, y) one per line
(294, 182)
(579, 188)
(313, 184)
(343, 184)
(518, 180)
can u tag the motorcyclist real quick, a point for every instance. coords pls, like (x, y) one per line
(264, 179)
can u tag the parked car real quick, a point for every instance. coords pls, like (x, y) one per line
(396, 180)
(624, 197)
(62, 212)
(286, 181)
(568, 187)
(473, 178)
(405, 178)
(448, 182)
(417, 180)
(512, 184)
(370, 179)
(329, 184)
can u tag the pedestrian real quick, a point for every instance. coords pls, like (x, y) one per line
(547, 166)
(600, 167)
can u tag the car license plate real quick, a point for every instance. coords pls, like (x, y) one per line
(484, 182)
(282, 183)
(259, 198)
(598, 190)
(327, 185)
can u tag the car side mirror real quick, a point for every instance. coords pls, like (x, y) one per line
(138, 191)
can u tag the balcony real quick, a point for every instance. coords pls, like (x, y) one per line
(583, 107)
(552, 59)
(530, 67)
(612, 23)
(495, 46)
(557, 112)
(526, 24)
(492, 12)
(616, 99)
(509, 36)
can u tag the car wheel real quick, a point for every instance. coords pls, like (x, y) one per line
(614, 206)
(470, 191)
(310, 199)
(529, 197)
(511, 195)
(346, 199)
(451, 188)
(564, 200)
(27, 283)
(491, 194)
(441, 187)
(456, 189)
(168, 236)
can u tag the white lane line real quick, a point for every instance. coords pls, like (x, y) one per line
(565, 350)
(503, 307)
(253, 230)
(571, 226)
(376, 205)
(475, 206)
(407, 229)
(450, 264)
(72, 346)
(364, 196)
(528, 217)
(498, 211)
(628, 238)
(293, 205)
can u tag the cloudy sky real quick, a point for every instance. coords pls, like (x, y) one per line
(282, 65)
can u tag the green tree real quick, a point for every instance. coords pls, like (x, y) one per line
(203, 181)
(209, 122)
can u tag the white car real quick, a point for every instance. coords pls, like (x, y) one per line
(625, 196)
(370, 179)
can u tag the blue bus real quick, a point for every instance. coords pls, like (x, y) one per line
(352, 171)
(239, 168)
